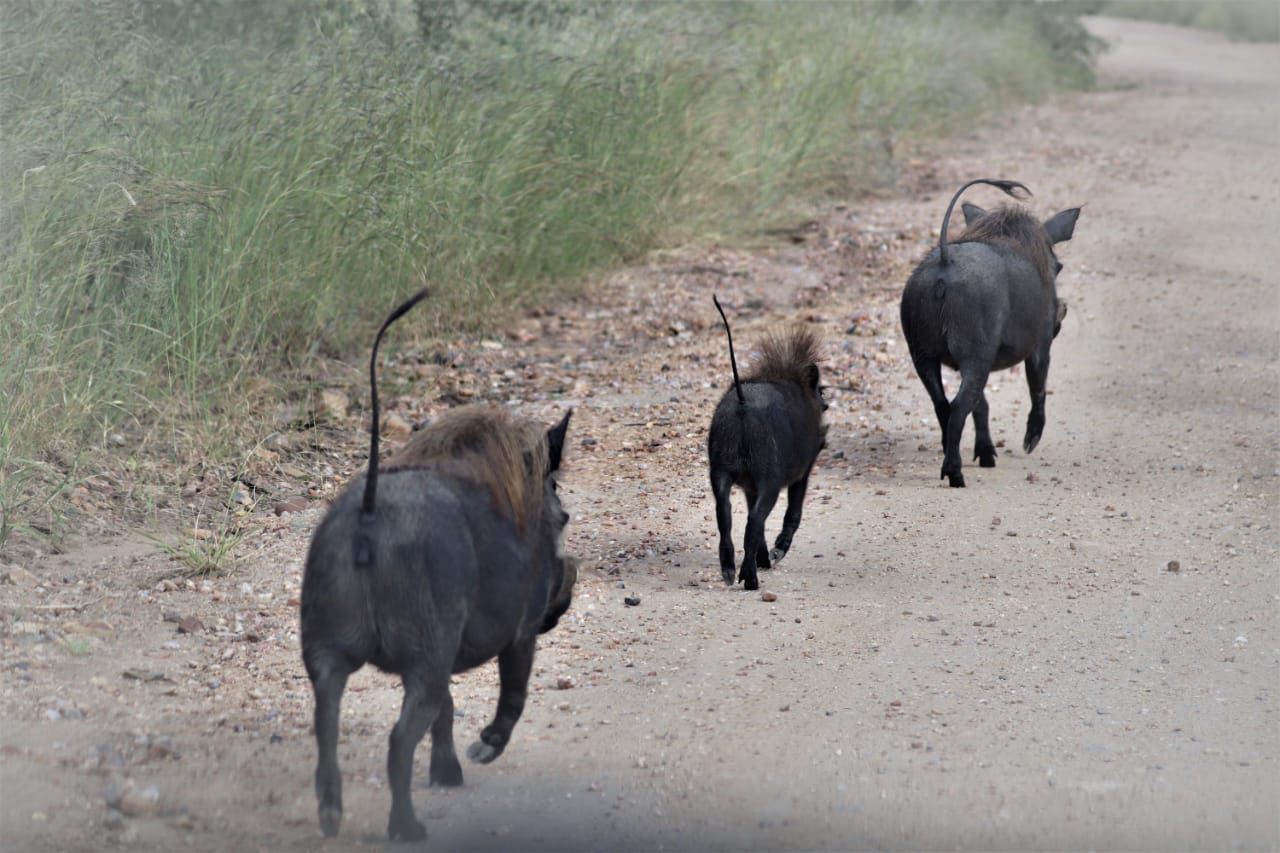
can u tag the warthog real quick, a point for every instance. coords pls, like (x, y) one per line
(446, 558)
(765, 435)
(984, 303)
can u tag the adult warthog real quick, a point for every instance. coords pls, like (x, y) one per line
(445, 558)
(986, 302)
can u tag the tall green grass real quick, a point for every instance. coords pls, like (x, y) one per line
(1240, 20)
(196, 191)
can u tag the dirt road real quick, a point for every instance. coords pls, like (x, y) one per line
(1009, 666)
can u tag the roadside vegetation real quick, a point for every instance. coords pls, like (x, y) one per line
(196, 193)
(1240, 20)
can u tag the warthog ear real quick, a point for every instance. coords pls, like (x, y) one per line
(811, 379)
(972, 213)
(1061, 225)
(555, 442)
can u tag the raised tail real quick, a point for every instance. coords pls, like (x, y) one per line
(371, 479)
(1011, 187)
(733, 361)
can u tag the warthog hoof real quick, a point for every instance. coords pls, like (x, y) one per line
(986, 456)
(1029, 443)
(751, 583)
(776, 555)
(727, 574)
(447, 773)
(482, 753)
(954, 478)
(406, 828)
(330, 820)
(762, 558)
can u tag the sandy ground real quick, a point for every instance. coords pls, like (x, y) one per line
(1009, 666)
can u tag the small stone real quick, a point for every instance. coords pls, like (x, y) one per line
(995, 521)
(768, 596)
(631, 600)
(395, 426)
(140, 803)
(293, 504)
(1173, 566)
(564, 682)
(17, 576)
(190, 625)
(332, 405)
(1011, 533)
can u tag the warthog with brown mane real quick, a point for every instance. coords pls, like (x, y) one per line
(447, 557)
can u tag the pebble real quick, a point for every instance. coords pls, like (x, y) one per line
(332, 405)
(140, 803)
(564, 682)
(631, 600)
(17, 576)
(768, 596)
(1173, 566)
(293, 504)
(395, 426)
(189, 625)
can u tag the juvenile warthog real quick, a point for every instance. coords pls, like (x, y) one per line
(765, 435)
(984, 303)
(446, 558)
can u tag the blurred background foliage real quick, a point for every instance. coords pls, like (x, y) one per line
(194, 192)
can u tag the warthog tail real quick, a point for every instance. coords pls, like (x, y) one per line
(1012, 188)
(371, 479)
(737, 386)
